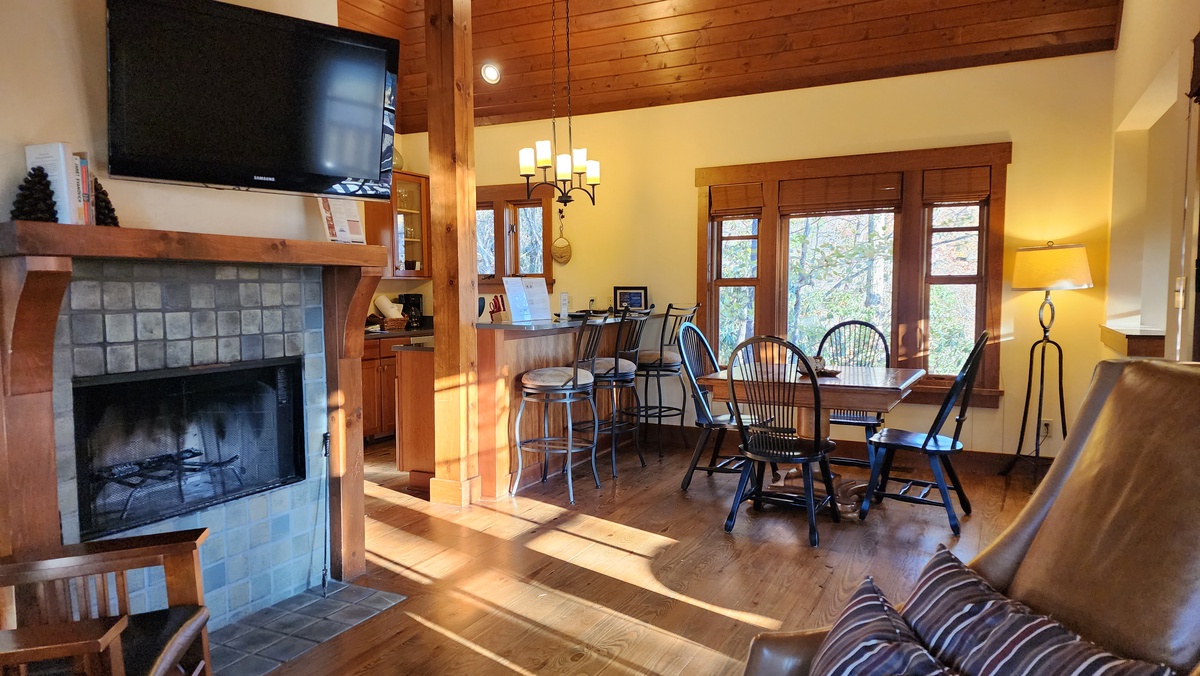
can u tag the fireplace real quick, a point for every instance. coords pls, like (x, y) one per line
(156, 444)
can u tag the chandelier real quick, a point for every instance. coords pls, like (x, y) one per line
(572, 171)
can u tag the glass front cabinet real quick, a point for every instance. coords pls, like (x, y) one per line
(402, 226)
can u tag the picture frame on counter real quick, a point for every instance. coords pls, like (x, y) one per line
(636, 297)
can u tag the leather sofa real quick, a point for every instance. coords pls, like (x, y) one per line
(1109, 543)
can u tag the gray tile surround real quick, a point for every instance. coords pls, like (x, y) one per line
(120, 317)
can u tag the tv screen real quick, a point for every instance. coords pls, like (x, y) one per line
(204, 92)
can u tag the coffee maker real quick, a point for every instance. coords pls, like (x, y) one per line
(412, 308)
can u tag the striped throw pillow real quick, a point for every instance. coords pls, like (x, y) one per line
(952, 608)
(1033, 645)
(869, 638)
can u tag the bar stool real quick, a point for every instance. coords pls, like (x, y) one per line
(562, 385)
(618, 373)
(661, 363)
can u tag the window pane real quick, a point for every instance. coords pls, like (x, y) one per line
(839, 268)
(951, 327)
(485, 241)
(964, 216)
(739, 258)
(735, 318)
(529, 240)
(954, 253)
(739, 227)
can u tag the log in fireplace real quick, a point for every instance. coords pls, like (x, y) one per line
(156, 444)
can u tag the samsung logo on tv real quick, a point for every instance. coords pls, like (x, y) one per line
(265, 178)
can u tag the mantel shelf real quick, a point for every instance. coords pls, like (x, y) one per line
(28, 238)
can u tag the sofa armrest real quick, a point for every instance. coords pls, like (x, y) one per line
(783, 652)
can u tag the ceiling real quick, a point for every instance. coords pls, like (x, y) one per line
(636, 53)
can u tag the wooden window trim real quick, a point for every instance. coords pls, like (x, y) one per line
(911, 278)
(504, 200)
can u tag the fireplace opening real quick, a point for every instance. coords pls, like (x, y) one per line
(157, 444)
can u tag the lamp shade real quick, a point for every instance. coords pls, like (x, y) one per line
(1051, 268)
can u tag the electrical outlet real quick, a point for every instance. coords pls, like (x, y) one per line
(591, 302)
(1046, 429)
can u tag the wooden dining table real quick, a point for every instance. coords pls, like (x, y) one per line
(857, 388)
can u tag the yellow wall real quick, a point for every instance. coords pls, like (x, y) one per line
(54, 89)
(643, 228)
(1151, 162)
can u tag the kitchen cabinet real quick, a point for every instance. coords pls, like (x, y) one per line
(379, 386)
(402, 226)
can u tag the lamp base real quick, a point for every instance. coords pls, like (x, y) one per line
(1036, 457)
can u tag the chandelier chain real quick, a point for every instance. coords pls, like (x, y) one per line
(570, 131)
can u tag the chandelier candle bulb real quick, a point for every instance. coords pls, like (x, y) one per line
(580, 160)
(526, 159)
(593, 172)
(563, 169)
(543, 154)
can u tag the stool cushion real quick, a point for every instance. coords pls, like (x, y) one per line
(556, 376)
(669, 357)
(604, 367)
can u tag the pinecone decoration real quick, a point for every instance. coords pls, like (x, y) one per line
(105, 213)
(35, 198)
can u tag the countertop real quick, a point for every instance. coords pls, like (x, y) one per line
(418, 333)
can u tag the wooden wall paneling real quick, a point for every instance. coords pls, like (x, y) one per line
(452, 212)
(347, 300)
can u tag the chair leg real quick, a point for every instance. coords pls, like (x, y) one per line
(885, 473)
(811, 504)
(747, 470)
(833, 508)
(716, 454)
(941, 484)
(612, 431)
(683, 398)
(658, 385)
(567, 462)
(520, 454)
(545, 435)
(873, 454)
(759, 469)
(687, 477)
(595, 439)
(637, 403)
(962, 495)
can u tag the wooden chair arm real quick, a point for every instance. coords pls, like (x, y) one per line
(102, 556)
(55, 641)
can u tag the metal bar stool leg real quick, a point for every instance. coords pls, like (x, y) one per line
(637, 423)
(567, 462)
(520, 454)
(595, 438)
(545, 435)
(682, 407)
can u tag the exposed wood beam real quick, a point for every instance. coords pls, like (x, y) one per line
(451, 70)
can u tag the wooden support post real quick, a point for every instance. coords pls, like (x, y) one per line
(348, 293)
(450, 69)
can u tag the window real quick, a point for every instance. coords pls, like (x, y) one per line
(909, 241)
(511, 235)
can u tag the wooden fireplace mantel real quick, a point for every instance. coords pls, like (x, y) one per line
(28, 238)
(36, 261)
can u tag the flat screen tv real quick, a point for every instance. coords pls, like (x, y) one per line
(209, 93)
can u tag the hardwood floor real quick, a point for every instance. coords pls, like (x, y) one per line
(638, 577)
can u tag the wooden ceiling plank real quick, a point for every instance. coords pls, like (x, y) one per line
(967, 55)
(611, 60)
(675, 67)
(377, 24)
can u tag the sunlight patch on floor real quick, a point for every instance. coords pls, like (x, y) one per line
(473, 646)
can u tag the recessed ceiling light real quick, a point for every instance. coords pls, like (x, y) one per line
(490, 73)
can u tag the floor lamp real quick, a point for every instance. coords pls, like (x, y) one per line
(1046, 268)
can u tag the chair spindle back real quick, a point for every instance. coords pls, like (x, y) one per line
(771, 372)
(964, 382)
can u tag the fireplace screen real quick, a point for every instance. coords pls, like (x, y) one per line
(153, 445)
